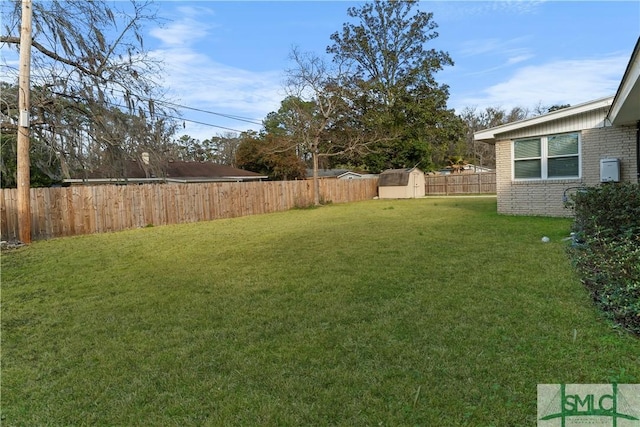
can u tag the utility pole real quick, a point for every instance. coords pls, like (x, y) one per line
(24, 176)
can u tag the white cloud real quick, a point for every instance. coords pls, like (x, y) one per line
(558, 82)
(195, 79)
(199, 81)
(519, 58)
(185, 30)
(476, 47)
(516, 6)
(506, 51)
(181, 33)
(464, 8)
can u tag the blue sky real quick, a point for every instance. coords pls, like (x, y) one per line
(230, 57)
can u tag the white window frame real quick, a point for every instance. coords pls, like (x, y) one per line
(544, 158)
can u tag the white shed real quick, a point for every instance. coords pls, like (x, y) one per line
(401, 184)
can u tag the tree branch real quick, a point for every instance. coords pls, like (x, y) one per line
(51, 54)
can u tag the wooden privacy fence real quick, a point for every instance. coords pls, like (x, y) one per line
(68, 211)
(467, 183)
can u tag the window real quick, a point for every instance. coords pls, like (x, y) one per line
(547, 157)
(528, 158)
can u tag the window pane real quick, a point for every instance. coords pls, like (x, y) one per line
(563, 166)
(526, 148)
(560, 145)
(524, 169)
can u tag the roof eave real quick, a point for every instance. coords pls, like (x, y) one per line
(186, 180)
(489, 135)
(111, 180)
(625, 108)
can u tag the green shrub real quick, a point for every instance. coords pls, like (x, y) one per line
(607, 223)
(610, 269)
(609, 210)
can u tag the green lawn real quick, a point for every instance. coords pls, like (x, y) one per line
(416, 312)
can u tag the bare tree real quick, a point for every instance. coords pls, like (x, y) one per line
(316, 93)
(481, 153)
(95, 90)
(322, 119)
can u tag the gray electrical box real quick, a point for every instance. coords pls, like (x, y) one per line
(609, 170)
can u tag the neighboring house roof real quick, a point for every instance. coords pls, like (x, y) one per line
(176, 171)
(395, 177)
(326, 173)
(206, 171)
(621, 109)
(467, 169)
(349, 175)
(355, 175)
(337, 173)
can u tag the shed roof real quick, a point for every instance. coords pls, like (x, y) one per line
(395, 177)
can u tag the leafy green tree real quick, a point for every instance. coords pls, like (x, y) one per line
(457, 164)
(219, 149)
(187, 148)
(44, 164)
(269, 154)
(394, 83)
(293, 125)
(224, 148)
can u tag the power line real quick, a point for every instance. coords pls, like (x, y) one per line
(201, 123)
(183, 119)
(228, 116)
(169, 103)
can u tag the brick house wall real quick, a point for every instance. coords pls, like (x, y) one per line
(545, 197)
(617, 142)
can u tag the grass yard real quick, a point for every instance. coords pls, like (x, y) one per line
(434, 312)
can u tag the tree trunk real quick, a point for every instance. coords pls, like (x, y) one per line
(316, 182)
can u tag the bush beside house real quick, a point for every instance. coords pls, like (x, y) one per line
(607, 250)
